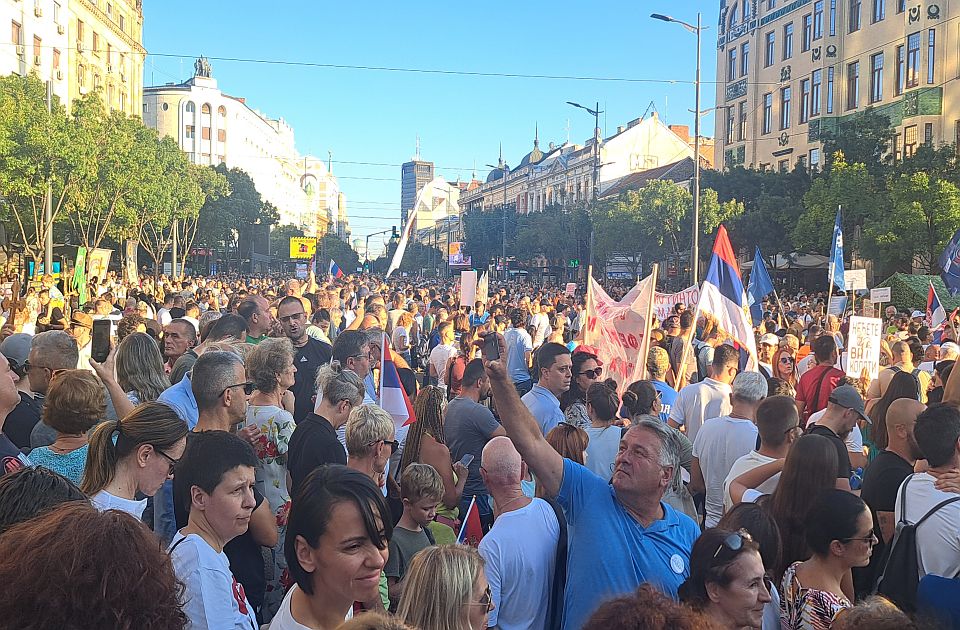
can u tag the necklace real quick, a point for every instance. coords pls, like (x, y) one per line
(511, 502)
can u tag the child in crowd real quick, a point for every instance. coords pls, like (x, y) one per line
(421, 489)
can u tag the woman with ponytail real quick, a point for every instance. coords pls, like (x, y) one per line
(133, 455)
(602, 406)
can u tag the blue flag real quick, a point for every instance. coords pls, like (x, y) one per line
(760, 286)
(836, 256)
(950, 265)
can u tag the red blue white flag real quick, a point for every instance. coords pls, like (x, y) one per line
(335, 270)
(471, 532)
(393, 398)
(936, 314)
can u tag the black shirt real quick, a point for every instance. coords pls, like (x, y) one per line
(313, 443)
(22, 419)
(308, 359)
(843, 457)
(881, 483)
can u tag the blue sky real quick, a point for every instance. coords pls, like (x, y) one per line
(375, 116)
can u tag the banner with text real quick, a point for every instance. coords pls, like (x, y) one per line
(618, 331)
(468, 288)
(663, 303)
(863, 347)
(130, 256)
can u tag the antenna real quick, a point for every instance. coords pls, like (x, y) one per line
(568, 131)
(417, 155)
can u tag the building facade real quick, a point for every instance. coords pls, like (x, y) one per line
(79, 46)
(414, 175)
(565, 174)
(213, 128)
(789, 70)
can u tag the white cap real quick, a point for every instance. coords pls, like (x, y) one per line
(770, 339)
(918, 314)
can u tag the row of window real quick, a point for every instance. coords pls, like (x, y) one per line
(854, 19)
(206, 109)
(811, 161)
(191, 133)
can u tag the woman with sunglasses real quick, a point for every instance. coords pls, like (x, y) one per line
(445, 589)
(839, 533)
(727, 579)
(785, 365)
(131, 458)
(586, 371)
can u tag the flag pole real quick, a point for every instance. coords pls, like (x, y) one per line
(648, 323)
(826, 311)
(586, 307)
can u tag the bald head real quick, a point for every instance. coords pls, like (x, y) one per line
(901, 420)
(903, 411)
(501, 462)
(900, 351)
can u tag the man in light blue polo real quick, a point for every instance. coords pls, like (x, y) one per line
(519, 352)
(621, 534)
(553, 364)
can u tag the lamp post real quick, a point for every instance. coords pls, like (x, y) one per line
(595, 112)
(366, 248)
(695, 249)
(504, 171)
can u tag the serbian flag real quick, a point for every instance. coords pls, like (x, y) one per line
(722, 295)
(393, 398)
(471, 532)
(335, 271)
(936, 314)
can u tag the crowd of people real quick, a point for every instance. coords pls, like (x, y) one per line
(228, 464)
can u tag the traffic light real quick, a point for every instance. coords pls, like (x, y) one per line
(574, 262)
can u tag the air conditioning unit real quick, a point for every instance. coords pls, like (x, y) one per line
(36, 60)
(61, 29)
(21, 51)
(59, 75)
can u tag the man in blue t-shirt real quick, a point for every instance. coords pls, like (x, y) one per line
(621, 534)
(658, 364)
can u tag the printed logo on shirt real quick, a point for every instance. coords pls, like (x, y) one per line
(239, 596)
(676, 563)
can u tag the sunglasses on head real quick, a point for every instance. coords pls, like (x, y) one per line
(733, 542)
(592, 374)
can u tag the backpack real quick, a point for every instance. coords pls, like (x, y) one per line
(915, 374)
(557, 588)
(900, 572)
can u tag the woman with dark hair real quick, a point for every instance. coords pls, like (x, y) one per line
(131, 458)
(426, 445)
(82, 569)
(809, 468)
(641, 399)
(336, 547)
(457, 364)
(840, 536)
(585, 372)
(727, 580)
(758, 522)
(603, 433)
(28, 492)
(902, 385)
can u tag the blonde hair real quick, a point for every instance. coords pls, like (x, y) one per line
(375, 621)
(366, 425)
(439, 586)
(266, 361)
(420, 481)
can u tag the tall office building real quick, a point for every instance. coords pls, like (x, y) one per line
(789, 70)
(414, 175)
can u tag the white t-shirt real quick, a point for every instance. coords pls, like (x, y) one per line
(541, 327)
(938, 539)
(212, 597)
(719, 444)
(284, 620)
(602, 449)
(747, 463)
(520, 551)
(697, 402)
(104, 501)
(438, 359)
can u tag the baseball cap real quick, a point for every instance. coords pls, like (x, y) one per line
(81, 319)
(918, 314)
(770, 339)
(848, 397)
(16, 348)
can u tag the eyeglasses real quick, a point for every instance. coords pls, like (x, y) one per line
(485, 600)
(248, 388)
(286, 319)
(173, 462)
(871, 537)
(592, 374)
(394, 445)
(27, 366)
(793, 429)
(786, 360)
(733, 542)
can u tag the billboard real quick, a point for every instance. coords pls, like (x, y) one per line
(302, 247)
(456, 256)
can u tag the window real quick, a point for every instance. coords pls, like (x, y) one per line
(16, 33)
(205, 109)
(876, 77)
(56, 13)
(879, 10)
(123, 23)
(37, 46)
(191, 132)
(807, 33)
(96, 44)
(783, 165)
(928, 133)
(833, 17)
(853, 20)
(221, 135)
(804, 100)
(81, 74)
(730, 121)
(853, 85)
(733, 15)
(222, 111)
(901, 6)
(744, 54)
(818, 19)
(771, 5)
(909, 140)
(785, 108)
(913, 60)
(814, 159)
(165, 106)
(742, 118)
(747, 6)
(191, 108)
(802, 162)
(79, 33)
(896, 147)
(900, 73)
(815, 81)
(767, 112)
(931, 54)
(56, 59)
(205, 133)
(732, 64)
(769, 49)
(830, 90)
(788, 41)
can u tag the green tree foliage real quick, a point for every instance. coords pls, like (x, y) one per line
(332, 247)
(226, 220)
(483, 234)
(213, 186)
(863, 138)
(280, 239)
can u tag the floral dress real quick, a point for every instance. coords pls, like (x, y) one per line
(804, 608)
(276, 428)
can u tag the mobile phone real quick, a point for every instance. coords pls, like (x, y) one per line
(466, 459)
(491, 349)
(100, 346)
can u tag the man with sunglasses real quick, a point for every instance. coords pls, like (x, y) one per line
(371, 441)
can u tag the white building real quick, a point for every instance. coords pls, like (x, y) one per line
(213, 128)
(38, 42)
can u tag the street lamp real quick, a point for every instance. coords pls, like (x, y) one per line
(504, 171)
(595, 112)
(695, 249)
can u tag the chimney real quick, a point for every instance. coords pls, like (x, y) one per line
(621, 128)
(683, 131)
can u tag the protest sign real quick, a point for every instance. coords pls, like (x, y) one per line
(468, 288)
(880, 294)
(856, 279)
(663, 303)
(863, 347)
(571, 289)
(618, 330)
(838, 304)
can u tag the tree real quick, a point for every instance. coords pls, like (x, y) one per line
(212, 186)
(332, 247)
(863, 138)
(280, 238)
(230, 219)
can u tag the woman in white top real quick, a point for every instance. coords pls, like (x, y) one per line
(336, 547)
(131, 456)
(602, 407)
